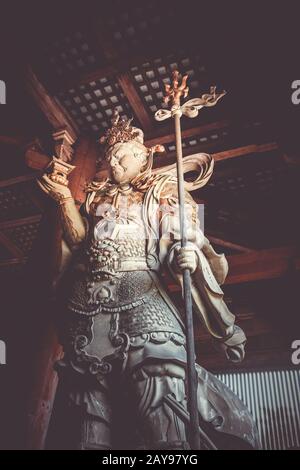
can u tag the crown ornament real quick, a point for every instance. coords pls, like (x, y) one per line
(121, 131)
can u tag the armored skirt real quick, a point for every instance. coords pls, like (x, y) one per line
(125, 362)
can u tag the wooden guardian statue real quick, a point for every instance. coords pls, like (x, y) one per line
(124, 338)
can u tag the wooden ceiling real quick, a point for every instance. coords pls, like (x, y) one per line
(75, 67)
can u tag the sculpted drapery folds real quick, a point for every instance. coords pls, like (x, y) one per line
(122, 327)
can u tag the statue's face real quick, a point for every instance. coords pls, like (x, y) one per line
(126, 161)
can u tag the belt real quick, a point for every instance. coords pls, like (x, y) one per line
(132, 264)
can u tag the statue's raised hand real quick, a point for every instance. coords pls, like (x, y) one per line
(56, 191)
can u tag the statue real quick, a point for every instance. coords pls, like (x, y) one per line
(124, 338)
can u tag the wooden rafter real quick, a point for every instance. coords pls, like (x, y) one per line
(203, 129)
(161, 160)
(13, 262)
(52, 109)
(10, 246)
(11, 140)
(135, 101)
(17, 180)
(246, 150)
(228, 244)
(263, 264)
(19, 222)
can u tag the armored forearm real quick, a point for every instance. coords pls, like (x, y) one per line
(72, 222)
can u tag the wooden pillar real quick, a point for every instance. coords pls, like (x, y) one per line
(49, 351)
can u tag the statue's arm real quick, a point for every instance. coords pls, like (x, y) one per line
(208, 271)
(73, 223)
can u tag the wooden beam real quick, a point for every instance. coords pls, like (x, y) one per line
(42, 397)
(169, 158)
(135, 101)
(166, 138)
(10, 246)
(13, 262)
(10, 140)
(247, 150)
(263, 264)
(17, 180)
(19, 222)
(54, 112)
(228, 244)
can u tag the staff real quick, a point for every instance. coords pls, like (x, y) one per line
(190, 109)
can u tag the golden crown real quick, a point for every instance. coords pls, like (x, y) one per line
(120, 131)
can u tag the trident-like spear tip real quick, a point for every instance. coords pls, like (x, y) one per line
(174, 93)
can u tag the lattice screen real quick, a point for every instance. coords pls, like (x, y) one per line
(92, 105)
(23, 236)
(15, 203)
(71, 54)
(251, 174)
(133, 30)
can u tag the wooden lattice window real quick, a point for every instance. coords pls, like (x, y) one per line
(92, 104)
(15, 203)
(23, 236)
(71, 54)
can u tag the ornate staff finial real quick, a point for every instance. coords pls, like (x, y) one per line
(191, 107)
(177, 91)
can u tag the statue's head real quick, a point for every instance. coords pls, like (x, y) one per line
(127, 160)
(125, 152)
